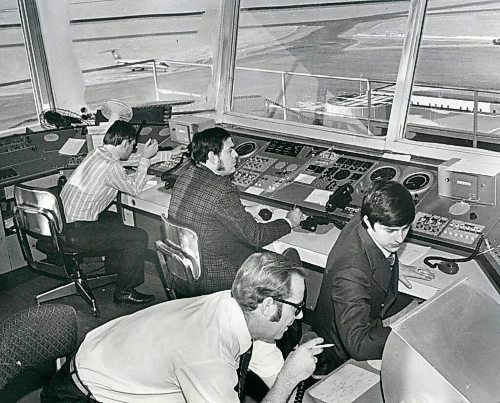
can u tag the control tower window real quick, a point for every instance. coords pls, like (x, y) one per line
(456, 93)
(15, 80)
(330, 65)
(116, 43)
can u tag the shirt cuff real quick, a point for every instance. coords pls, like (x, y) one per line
(163, 155)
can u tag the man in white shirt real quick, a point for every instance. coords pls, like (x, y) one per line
(189, 350)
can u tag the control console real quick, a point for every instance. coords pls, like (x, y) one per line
(35, 154)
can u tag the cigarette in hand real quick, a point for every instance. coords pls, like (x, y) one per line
(326, 345)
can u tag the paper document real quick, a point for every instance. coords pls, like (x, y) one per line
(97, 133)
(72, 147)
(151, 181)
(410, 252)
(344, 385)
(254, 190)
(303, 178)
(318, 196)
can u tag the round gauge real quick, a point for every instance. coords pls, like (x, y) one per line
(418, 182)
(145, 131)
(342, 174)
(164, 132)
(386, 172)
(245, 149)
(50, 137)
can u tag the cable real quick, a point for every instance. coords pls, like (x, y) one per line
(428, 259)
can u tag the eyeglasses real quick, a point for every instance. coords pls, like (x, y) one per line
(298, 307)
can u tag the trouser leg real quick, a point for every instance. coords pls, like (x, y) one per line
(62, 389)
(128, 262)
(124, 247)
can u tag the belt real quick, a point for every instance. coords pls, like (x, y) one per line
(76, 379)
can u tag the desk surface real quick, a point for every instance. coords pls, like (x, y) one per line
(314, 247)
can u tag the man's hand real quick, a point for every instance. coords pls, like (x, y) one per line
(301, 363)
(406, 272)
(150, 149)
(178, 151)
(294, 217)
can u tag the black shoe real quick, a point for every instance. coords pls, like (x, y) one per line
(132, 296)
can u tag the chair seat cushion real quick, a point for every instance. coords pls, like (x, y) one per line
(45, 245)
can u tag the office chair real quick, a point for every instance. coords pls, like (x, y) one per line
(31, 342)
(180, 259)
(39, 215)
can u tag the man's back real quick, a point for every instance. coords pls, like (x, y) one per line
(210, 205)
(87, 193)
(182, 349)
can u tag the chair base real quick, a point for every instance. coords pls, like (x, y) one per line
(78, 286)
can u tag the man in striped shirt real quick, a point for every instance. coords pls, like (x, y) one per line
(89, 192)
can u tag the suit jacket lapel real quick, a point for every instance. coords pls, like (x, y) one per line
(378, 263)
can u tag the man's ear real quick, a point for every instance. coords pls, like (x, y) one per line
(366, 221)
(267, 307)
(211, 156)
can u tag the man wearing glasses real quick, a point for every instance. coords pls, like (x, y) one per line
(191, 350)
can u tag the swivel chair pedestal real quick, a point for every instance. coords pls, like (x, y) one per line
(39, 216)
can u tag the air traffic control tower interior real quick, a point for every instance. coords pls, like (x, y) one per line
(321, 99)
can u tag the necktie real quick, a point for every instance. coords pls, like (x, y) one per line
(243, 369)
(392, 259)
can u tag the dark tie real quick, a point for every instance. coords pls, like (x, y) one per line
(243, 369)
(392, 259)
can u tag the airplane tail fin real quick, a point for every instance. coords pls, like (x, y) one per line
(115, 54)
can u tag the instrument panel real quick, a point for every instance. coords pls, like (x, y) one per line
(288, 173)
(296, 174)
(35, 154)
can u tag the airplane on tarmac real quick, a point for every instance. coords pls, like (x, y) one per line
(136, 65)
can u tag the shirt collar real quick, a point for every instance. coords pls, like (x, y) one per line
(110, 152)
(240, 326)
(212, 170)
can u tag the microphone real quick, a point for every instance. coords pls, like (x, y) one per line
(301, 388)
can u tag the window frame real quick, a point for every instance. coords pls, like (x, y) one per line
(394, 141)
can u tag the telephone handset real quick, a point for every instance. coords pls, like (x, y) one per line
(137, 134)
(340, 198)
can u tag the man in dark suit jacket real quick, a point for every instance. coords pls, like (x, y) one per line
(360, 285)
(205, 199)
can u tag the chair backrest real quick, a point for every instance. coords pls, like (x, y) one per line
(184, 240)
(35, 336)
(38, 213)
(38, 209)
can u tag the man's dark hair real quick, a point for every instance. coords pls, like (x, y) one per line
(119, 131)
(208, 140)
(389, 203)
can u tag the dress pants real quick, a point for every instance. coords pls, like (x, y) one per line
(61, 388)
(124, 247)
